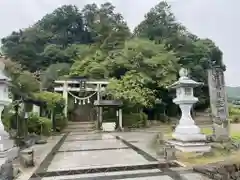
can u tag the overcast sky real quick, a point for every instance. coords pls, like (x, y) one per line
(215, 19)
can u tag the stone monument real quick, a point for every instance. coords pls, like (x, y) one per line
(187, 136)
(219, 105)
(7, 150)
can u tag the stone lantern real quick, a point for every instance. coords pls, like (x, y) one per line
(187, 136)
(6, 145)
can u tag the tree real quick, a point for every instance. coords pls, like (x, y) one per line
(152, 60)
(138, 70)
(23, 83)
(91, 66)
(107, 27)
(47, 41)
(132, 88)
(161, 26)
(53, 38)
(96, 42)
(196, 54)
(54, 72)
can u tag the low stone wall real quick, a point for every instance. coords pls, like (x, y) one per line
(220, 170)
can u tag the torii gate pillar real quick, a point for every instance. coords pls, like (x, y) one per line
(65, 96)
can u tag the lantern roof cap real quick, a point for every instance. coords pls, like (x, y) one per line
(184, 80)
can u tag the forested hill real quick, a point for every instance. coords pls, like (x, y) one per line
(96, 42)
(233, 93)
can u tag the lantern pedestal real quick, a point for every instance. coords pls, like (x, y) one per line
(7, 149)
(187, 136)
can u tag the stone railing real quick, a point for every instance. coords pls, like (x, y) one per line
(220, 170)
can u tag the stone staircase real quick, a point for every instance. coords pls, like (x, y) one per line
(87, 126)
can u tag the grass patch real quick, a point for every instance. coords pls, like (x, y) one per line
(207, 131)
(220, 152)
(235, 135)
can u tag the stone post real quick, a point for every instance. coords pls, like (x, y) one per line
(120, 119)
(99, 109)
(65, 96)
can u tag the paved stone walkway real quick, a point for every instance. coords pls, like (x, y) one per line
(108, 157)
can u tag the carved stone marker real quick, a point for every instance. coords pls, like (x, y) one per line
(218, 102)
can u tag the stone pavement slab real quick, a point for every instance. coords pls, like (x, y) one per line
(77, 137)
(143, 141)
(164, 177)
(129, 175)
(87, 145)
(194, 176)
(137, 136)
(91, 151)
(93, 159)
(106, 174)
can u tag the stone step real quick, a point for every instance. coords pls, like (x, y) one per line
(81, 122)
(78, 130)
(81, 125)
(86, 126)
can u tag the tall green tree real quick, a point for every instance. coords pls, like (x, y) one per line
(161, 26)
(153, 60)
(132, 88)
(48, 41)
(52, 73)
(23, 83)
(198, 55)
(108, 27)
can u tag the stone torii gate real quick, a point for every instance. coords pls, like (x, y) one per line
(94, 86)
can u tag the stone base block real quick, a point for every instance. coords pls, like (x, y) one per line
(189, 137)
(190, 146)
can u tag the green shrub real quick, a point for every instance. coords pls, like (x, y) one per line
(54, 101)
(61, 121)
(33, 124)
(6, 120)
(9, 118)
(39, 125)
(235, 119)
(46, 126)
(234, 113)
(134, 120)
